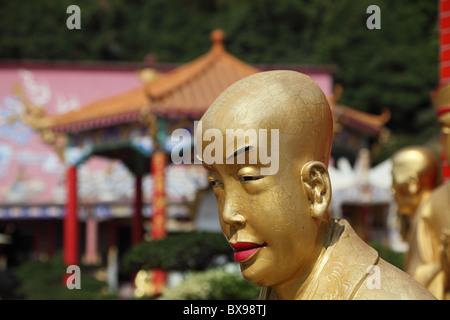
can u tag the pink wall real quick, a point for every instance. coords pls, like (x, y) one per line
(61, 89)
(30, 171)
(324, 80)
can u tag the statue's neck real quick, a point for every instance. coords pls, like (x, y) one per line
(294, 289)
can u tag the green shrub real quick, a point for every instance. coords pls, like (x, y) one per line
(212, 284)
(44, 280)
(181, 251)
(393, 257)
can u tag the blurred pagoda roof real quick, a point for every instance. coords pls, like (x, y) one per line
(191, 89)
(187, 90)
(371, 124)
(114, 110)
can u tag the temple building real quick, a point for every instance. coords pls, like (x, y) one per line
(85, 150)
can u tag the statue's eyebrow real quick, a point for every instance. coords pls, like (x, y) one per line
(239, 151)
(204, 164)
(207, 166)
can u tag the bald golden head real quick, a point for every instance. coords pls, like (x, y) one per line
(285, 100)
(414, 175)
(284, 212)
(415, 160)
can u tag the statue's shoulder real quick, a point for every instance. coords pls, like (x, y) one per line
(387, 282)
(435, 208)
(440, 192)
(378, 279)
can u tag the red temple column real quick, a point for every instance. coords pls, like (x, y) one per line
(158, 165)
(444, 41)
(137, 220)
(158, 223)
(71, 224)
(444, 65)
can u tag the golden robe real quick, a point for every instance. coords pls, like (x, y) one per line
(350, 269)
(423, 261)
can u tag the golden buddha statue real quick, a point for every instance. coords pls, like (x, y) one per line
(274, 211)
(414, 176)
(428, 258)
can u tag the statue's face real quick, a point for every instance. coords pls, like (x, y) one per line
(265, 218)
(406, 167)
(413, 177)
(404, 187)
(266, 215)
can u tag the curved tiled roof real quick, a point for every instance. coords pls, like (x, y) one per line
(190, 89)
(369, 123)
(118, 109)
(185, 91)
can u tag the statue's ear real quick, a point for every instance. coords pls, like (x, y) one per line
(317, 186)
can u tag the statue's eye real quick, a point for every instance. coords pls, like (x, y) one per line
(215, 183)
(249, 178)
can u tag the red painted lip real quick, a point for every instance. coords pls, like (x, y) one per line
(244, 250)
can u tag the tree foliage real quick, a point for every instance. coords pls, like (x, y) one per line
(393, 257)
(395, 67)
(44, 280)
(196, 250)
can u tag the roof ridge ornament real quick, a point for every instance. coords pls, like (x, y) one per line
(218, 38)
